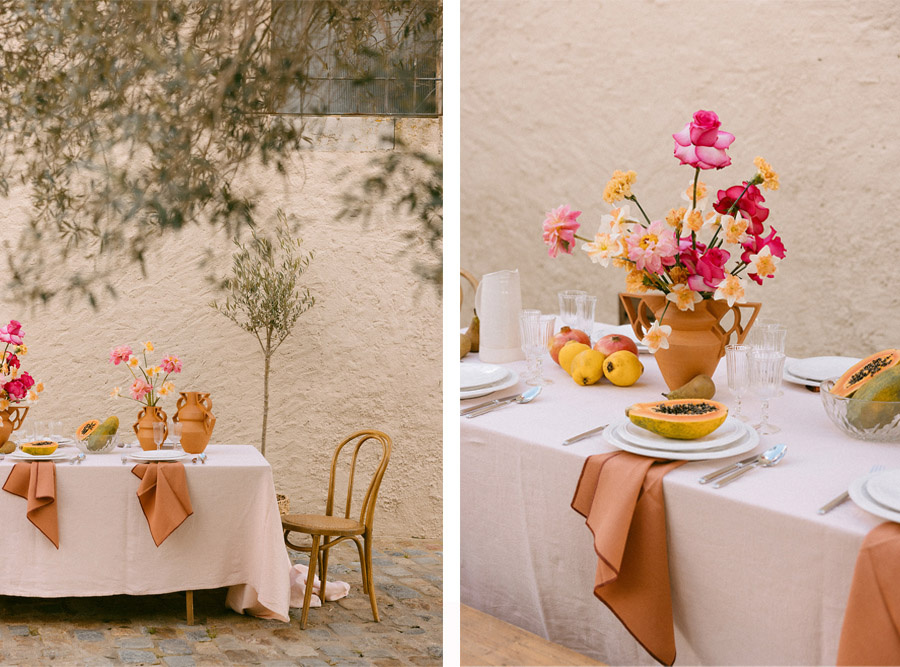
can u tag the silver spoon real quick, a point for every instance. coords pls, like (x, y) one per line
(524, 397)
(77, 459)
(766, 460)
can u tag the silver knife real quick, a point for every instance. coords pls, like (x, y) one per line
(488, 408)
(582, 436)
(727, 469)
(473, 408)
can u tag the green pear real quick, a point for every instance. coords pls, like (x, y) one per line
(700, 386)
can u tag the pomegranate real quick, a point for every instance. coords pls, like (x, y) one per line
(564, 336)
(615, 342)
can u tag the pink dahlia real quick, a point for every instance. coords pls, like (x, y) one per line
(651, 248)
(560, 226)
(120, 354)
(170, 364)
(139, 389)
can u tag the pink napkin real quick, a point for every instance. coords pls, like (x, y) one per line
(871, 632)
(621, 496)
(36, 482)
(164, 497)
(334, 590)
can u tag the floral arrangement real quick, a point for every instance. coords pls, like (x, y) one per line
(16, 385)
(150, 382)
(685, 254)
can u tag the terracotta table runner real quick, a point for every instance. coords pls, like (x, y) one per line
(621, 496)
(871, 630)
(164, 497)
(36, 482)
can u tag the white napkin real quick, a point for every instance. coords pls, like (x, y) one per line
(334, 590)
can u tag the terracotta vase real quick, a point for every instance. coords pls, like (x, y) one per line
(143, 427)
(196, 419)
(698, 339)
(10, 420)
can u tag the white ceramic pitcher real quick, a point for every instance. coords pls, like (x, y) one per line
(498, 302)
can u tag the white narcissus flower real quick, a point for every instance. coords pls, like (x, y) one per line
(116, 392)
(617, 220)
(657, 337)
(688, 193)
(731, 289)
(764, 263)
(683, 297)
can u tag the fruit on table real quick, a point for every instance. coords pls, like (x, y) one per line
(99, 437)
(864, 371)
(615, 342)
(565, 335)
(39, 447)
(472, 332)
(622, 368)
(682, 419)
(587, 367)
(87, 428)
(568, 353)
(877, 402)
(465, 345)
(700, 386)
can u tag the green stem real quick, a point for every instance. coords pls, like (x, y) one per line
(696, 176)
(734, 206)
(634, 199)
(581, 238)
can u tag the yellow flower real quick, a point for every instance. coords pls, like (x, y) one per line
(675, 216)
(13, 372)
(678, 274)
(21, 351)
(634, 282)
(39, 387)
(768, 176)
(148, 346)
(688, 193)
(735, 228)
(4, 404)
(731, 289)
(619, 186)
(4, 370)
(133, 362)
(683, 297)
(694, 220)
(153, 370)
(32, 396)
(116, 392)
(166, 388)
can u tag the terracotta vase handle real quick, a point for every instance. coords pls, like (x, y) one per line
(19, 417)
(139, 417)
(637, 315)
(736, 328)
(205, 401)
(208, 423)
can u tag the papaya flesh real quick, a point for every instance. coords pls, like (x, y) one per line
(87, 428)
(99, 437)
(865, 371)
(877, 403)
(39, 447)
(682, 419)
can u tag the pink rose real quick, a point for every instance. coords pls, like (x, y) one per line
(12, 333)
(139, 389)
(170, 364)
(707, 267)
(757, 243)
(27, 380)
(560, 226)
(15, 390)
(750, 205)
(702, 144)
(120, 354)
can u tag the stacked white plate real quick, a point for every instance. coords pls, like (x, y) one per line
(812, 371)
(732, 437)
(878, 493)
(477, 379)
(157, 455)
(19, 455)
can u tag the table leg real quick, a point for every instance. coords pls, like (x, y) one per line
(189, 598)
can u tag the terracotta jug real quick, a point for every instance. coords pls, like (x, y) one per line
(10, 420)
(143, 427)
(698, 339)
(196, 419)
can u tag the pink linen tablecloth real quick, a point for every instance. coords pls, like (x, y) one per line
(232, 539)
(758, 577)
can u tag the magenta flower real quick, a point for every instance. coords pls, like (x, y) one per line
(15, 390)
(12, 333)
(170, 364)
(756, 244)
(12, 360)
(651, 248)
(120, 354)
(702, 144)
(27, 380)
(139, 389)
(560, 226)
(750, 205)
(706, 266)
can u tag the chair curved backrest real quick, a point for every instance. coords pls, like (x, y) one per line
(367, 511)
(472, 280)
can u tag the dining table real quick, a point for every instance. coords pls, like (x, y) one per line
(232, 539)
(758, 576)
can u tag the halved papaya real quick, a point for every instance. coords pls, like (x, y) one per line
(87, 428)
(863, 371)
(682, 419)
(39, 447)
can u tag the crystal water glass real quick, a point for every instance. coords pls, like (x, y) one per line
(159, 434)
(766, 370)
(737, 358)
(585, 305)
(568, 306)
(767, 336)
(536, 335)
(175, 432)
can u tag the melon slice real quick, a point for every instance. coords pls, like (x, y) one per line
(863, 371)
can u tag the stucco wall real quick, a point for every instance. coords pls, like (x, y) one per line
(557, 95)
(367, 355)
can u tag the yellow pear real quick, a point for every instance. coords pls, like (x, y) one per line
(587, 367)
(622, 368)
(465, 345)
(473, 332)
(569, 351)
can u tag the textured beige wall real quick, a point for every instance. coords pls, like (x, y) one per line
(557, 95)
(367, 355)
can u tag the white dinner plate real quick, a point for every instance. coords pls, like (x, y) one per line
(861, 497)
(884, 488)
(510, 381)
(793, 379)
(730, 430)
(55, 456)
(741, 445)
(480, 376)
(817, 369)
(157, 455)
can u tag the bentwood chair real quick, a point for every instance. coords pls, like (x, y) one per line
(328, 530)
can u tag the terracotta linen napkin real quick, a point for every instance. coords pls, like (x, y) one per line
(620, 495)
(36, 482)
(871, 631)
(164, 497)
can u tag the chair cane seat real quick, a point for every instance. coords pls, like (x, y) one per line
(320, 524)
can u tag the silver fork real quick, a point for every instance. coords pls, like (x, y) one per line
(831, 504)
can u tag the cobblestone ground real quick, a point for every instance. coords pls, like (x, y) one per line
(151, 630)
